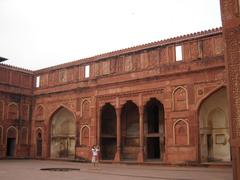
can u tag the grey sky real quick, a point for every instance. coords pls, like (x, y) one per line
(39, 33)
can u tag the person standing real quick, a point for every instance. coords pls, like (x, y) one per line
(95, 151)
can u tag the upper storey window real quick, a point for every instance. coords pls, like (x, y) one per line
(178, 53)
(37, 82)
(87, 71)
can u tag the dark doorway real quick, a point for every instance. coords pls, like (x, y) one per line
(108, 132)
(154, 127)
(11, 145)
(39, 145)
(130, 131)
(153, 148)
(210, 147)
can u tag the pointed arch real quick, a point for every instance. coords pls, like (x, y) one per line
(85, 136)
(86, 109)
(213, 126)
(62, 133)
(56, 109)
(130, 133)
(179, 99)
(39, 142)
(108, 131)
(181, 132)
(12, 132)
(154, 123)
(12, 141)
(13, 110)
(199, 103)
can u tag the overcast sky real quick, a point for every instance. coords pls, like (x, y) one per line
(39, 33)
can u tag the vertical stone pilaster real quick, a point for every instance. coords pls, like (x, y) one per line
(230, 10)
(141, 133)
(117, 157)
(141, 130)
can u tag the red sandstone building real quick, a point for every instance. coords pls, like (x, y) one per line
(163, 101)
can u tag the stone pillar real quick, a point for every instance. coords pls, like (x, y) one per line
(141, 129)
(141, 134)
(98, 126)
(94, 120)
(230, 10)
(117, 157)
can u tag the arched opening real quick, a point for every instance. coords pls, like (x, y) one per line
(108, 132)
(12, 111)
(39, 142)
(11, 141)
(154, 129)
(130, 131)
(85, 136)
(63, 131)
(214, 128)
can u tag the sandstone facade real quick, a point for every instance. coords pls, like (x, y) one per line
(162, 101)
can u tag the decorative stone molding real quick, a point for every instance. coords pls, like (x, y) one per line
(179, 99)
(181, 132)
(13, 111)
(16, 133)
(85, 135)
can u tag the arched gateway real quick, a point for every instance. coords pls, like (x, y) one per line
(63, 132)
(108, 132)
(214, 128)
(154, 129)
(130, 131)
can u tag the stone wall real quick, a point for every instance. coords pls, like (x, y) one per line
(136, 75)
(230, 10)
(15, 110)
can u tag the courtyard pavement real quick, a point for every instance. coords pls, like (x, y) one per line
(30, 170)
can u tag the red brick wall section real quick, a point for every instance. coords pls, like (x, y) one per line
(231, 28)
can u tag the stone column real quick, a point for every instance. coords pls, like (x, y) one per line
(141, 129)
(141, 134)
(98, 126)
(117, 157)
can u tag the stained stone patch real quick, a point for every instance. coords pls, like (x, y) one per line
(60, 169)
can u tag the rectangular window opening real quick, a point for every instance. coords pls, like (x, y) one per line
(178, 50)
(37, 81)
(87, 71)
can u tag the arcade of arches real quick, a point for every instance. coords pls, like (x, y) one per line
(128, 138)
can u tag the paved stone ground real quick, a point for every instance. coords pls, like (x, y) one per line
(30, 170)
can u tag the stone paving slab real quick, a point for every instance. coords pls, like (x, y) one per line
(30, 170)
